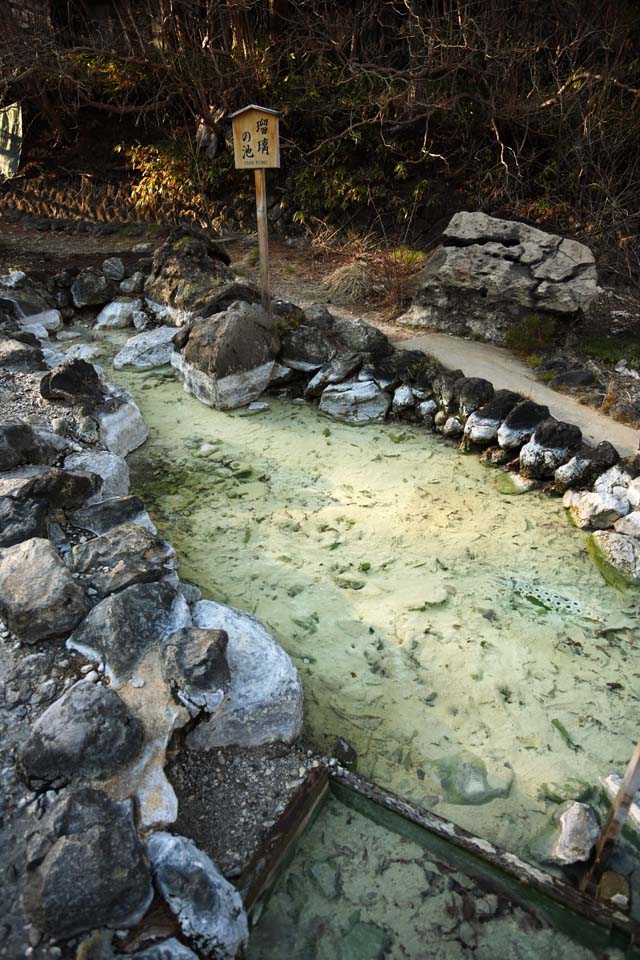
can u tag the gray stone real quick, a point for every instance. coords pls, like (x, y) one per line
(38, 597)
(118, 314)
(26, 294)
(73, 382)
(106, 514)
(578, 831)
(59, 487)
(619, 552)
(121, 427)
(87, 734)
(520, 423)
(472, 393)
(91, 288)
(582, 470)
(125, 555)
(122, 627)
(360, 336)
(81, 351)
(51, 320)
(170, 949)
(195, 664)
(629, 525)
(20, 445)
(552, 444)
(113, 268)
(208, 908)
(426, 411)
(453, 428)
(189, 272)
(111, 468)
(483, 423)
(265, 703)
(87, 868)
(133, 284)
(21, 519)
(404, 400)
(336, 371)
(21, 356)
(356, 401)
(150, 349)
(465, 780)
(595, 511)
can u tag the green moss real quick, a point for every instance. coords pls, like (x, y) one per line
(614, 577)
(611, 351)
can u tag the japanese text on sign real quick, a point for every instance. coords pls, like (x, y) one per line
(255, 138)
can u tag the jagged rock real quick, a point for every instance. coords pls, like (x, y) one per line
(87, 734)
(189, 271)
(617, 557)
(125, 555)
(73, 382)
(61, 488)
(121, 427)
(633, 493)
(208, 908)
(552, 444)
(265, 702)
(472, 393)
(112, 470)
(113, 268)
(629, 525)
(133, 284)
(81, 351)
(170, 949)
(359, 336)
(401, 366)
(228, 359)
(281, 375)
(118, 314)
(91, 288)
(195, 664)
(582, 470)
(483, 424)
(307, 341)
(338, 370)
(150, 349)
(125, 625)
(404, 401)
(446, 387)
(38, 597)
(615, 480)
(426, 412)
(490, 273)
(87, 867)
(356, 401)
(21, 519)
(107, 514)
(25, 294)
(50, 320)
(20, 444)
(230, 294)
(573, 379)
(452, 428)
(577, 833)
(520, 423)
(21, 356)
(596, 511)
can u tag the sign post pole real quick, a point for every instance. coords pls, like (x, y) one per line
(256, 146)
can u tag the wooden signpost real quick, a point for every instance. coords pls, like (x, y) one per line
(256, 146)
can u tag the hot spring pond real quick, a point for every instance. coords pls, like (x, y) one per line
(460, 638)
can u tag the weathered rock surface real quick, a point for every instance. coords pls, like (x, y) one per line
(483, 423)
(121, 427)
(20, 444)
(72, 382)
(107, 514)
(465, 780)
(122, 627)
(265, 700)
(596, 511)
(446, 386)
(21, 356)
(582, 470)
(629, 525)
(189, 272)
(111, 468)
(473, 392)
(452, 428)
(339, 369)
(118, 314)
(61, 488)
(87, 734)
(404, 401)
(553, 443)
(489, 273)
(357, 401)
(359, 336)
(51, 320)
(91, 288)
(113, 268)
(520, 423)
(153, 348)
(125, 555)
(87, 868)
(21, 519)
(170, 949)
(208, 908)
(195, 665)
(617, 557)
(25, 294)
(578, 830)
(228, 359)
(38, 597)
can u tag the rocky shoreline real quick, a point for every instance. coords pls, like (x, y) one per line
(128, 662)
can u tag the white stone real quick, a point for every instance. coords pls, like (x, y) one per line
(403, 399)
(452, 428)
(614, 480)
(37, 330)
(227, 393)
(539, 460)
(113, 268)
(479, 429)
(633, 493)
(121, 429)
(153, 348)
(52, 357)
(357, 401)
(621, 551)
(117, 314)
(428, 408)
(578, 832)
(265, 699)
(111, 468)
(51, 320)
(596, 511)
(629, 525)
(81, 351)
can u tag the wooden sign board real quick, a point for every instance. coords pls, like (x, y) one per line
(256, 138)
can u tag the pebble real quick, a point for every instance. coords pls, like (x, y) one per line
(93, 676)
(86, 668)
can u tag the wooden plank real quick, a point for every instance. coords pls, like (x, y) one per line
(256, 139)
(263, 239)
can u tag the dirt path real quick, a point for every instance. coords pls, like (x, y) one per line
(507, 372)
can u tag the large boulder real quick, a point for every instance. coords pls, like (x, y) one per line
(24, 293)
(61, 488)
(106, 514)
(265, 700)
(483, 424)
(617, 557)
(153, 348)
(38, 596)
(86, 867)
(111, 468)
(195, 665)
(207, 907)
(473, 392)
(73, 382)
(596, 511)
(520, 423)
(228, 359)
(125, 555)
(91, 288)
(118, 314)
(21, 444)
(490, 273)
(553, 443)
(356, 401)
(585, 467)
(121, 426)
(21, 519)
(22, 356)
(189, 271)
(311, 339)
(87, 734)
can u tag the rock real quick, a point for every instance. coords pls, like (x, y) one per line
(21, 519)
(189, 271)
(73, 382)
(344, 753)
(265, 703)
(87, 868)
(107, 514)
(573, 379)
(150, 349)
(111, 468)
(404, 401)
(91, 288)
(452, 428)
(125, 555)
(401, 366)
(208, 908)
(230, 294)
(170, 949)
(61, 488)
(121, 427)
(87, 734)
(617, 557)
(465, 780)
(195, 665)
(612, 784)
(483, 423)
(359, 336)
(577, 833)
(24, 357)
(51, 320)
(426, 411)
(81, 351)
(440, 419)
(132, 284)
(633, 493)
(336, 371)
(490, 273)
(582, 470)
(25, 294)
(252, 409)
(280, 375)
(20, 444)
(613, 889)
(629, 525)
(118, 314)
(472, 393)
(307, 341)
(520, 423)
(596, 511)
(357, 401)
(228, 359)
(121, 628)
(615, 480)
(38, 597)
(113, 269)
(552, 444)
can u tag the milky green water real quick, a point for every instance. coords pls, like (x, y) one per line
(460, 639)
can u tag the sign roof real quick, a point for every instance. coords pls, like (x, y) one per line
(254, 106)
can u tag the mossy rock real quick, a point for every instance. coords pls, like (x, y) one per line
(616, 576)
